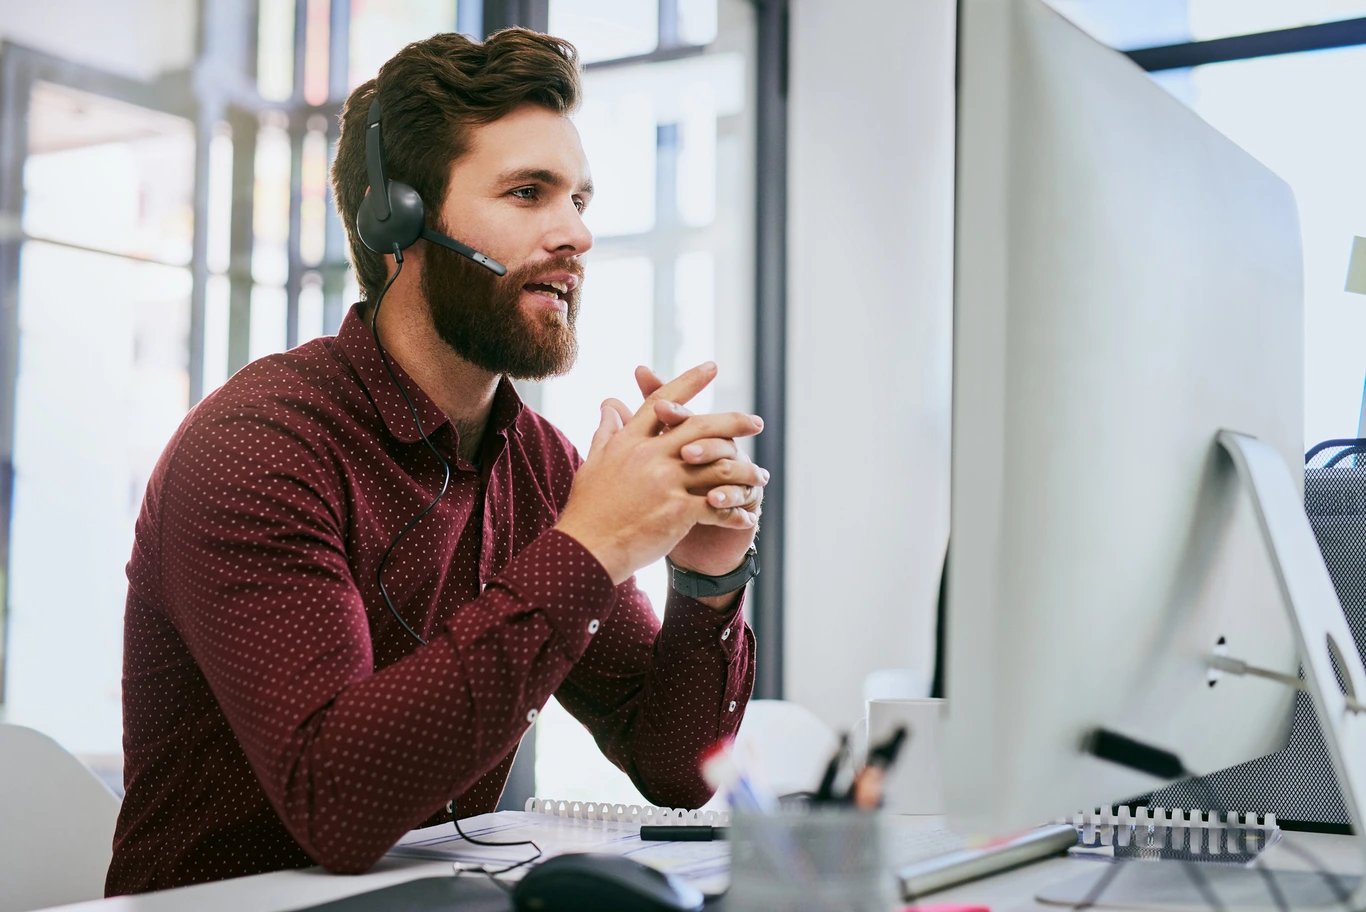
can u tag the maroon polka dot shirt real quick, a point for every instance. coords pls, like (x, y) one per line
(276, 715)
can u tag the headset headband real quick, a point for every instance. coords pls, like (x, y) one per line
(374, 161)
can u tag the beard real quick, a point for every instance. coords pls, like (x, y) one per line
(480, 316)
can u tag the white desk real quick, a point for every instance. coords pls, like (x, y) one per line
(285, 890)
(1016, 889)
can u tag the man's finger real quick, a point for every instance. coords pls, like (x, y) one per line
(622, 410)
(647, 380)
(727, 474)
(713, 449)
(700, 427)
(732, 496)
(680, 389)
(728, 518)
(608, 426)
(670, 413)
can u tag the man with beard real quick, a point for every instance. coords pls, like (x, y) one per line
(363, 566)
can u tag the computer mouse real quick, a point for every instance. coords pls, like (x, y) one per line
(598, 882)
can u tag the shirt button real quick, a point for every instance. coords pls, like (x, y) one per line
(725, 634)
(731, 708)
(593, 626)
(533, 713)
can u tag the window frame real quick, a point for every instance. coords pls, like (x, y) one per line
(21, 69)
(1296, 40)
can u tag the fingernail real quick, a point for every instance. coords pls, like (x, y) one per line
(718, 498)
(763, 475)
(758, 422)
(694, 450)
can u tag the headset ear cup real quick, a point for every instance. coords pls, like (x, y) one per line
(370, 228)
(402, 228)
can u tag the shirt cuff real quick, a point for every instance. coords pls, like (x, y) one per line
(563, 579)
(690, 625)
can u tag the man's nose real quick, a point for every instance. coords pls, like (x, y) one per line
(569, 236)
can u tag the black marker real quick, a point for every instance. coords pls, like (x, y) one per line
(682, 833)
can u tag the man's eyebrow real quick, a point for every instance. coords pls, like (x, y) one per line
(542, 176)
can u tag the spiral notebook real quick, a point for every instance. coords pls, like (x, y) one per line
(636, 814)
(559, 827)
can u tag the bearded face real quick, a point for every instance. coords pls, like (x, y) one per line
(519, 324)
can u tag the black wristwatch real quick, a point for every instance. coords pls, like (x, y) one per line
(699, 585)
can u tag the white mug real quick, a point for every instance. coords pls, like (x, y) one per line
(914, 783)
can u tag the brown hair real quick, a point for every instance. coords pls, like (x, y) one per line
(430, 93)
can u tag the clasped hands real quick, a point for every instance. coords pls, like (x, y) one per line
(661, 480)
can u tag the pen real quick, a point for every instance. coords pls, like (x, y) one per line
(884, 754)
(825, 792)
(682, 833)
(866, 791)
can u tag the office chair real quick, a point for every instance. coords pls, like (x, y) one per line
(56, 824)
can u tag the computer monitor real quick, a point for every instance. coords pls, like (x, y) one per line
(1127, 285)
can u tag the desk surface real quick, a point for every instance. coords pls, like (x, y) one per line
(281, 891)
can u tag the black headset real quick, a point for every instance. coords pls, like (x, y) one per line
(391, 217)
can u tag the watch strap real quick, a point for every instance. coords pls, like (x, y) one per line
(700, 585)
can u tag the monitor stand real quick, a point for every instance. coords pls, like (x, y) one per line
(1327, 650)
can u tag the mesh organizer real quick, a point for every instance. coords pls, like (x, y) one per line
(1296, 784)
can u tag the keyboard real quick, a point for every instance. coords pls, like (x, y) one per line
(930, 860)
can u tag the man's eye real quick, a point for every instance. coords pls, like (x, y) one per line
(580, 203)
(526, 193)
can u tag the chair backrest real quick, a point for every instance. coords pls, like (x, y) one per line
(56, 823)
(784, 744)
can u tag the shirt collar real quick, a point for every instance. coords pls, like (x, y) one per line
(357, 346)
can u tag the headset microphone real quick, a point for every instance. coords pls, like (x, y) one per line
(391, 217)
(451, 243)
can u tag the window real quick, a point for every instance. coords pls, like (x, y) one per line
(126, 316)
(667, 125)
(1287, 111)
(103, 375)
(1127, 25)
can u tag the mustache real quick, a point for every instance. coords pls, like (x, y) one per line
(521, 276)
